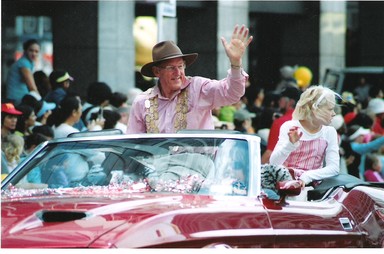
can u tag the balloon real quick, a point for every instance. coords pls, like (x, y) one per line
(303, 75)
(145, 35)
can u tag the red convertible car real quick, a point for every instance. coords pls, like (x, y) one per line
(184, 190)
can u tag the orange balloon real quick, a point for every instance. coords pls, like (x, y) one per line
(145, 35)
(303, 76)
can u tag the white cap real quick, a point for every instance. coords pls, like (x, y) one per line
(359, 132)
(35, 94)
(376, 106)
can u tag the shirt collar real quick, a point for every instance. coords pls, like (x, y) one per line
(156, 90)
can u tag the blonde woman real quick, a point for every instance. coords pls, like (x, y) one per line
(12, 147)
(308, 144)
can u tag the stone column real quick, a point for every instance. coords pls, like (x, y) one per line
(116, 47)
(230, 13)
(333, 26)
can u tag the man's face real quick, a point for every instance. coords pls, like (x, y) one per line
(171, 74)
(66, 84)
(283, 103)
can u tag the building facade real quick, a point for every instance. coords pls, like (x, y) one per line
(94, 40)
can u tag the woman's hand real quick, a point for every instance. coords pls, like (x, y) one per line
(236, 47)
(44, 118)
(96, 125)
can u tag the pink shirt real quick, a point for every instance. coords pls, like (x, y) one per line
(203, 95)
(373, 176)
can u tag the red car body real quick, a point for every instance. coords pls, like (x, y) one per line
(349, 214)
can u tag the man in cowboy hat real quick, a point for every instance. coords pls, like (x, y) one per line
(179, 102)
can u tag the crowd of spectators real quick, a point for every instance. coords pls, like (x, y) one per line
(54, 111)
(34, 119)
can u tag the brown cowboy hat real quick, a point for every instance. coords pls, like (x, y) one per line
(166, 50)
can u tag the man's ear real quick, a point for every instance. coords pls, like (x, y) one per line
(156, 71)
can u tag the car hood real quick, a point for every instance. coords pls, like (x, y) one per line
(73, 221)
(78, 218)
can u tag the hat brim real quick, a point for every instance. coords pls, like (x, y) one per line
(12, 112)
(63, 78)
(379, 110)
(46, 107)
(146, 70)
(359, 132)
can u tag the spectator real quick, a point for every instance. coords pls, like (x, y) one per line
(41, 108)
(60, 81)
(257, 106)
(373, 168)
(357, 135)
(307, 144)
(98, 96)
(42, 83)
(44, 130)
(243, 121)
(376, 110)
(26, 121)
(44, 110)
(348, 97)
(32, 141)
(118, 100)
(20, 79)
(9, 116)
(13, 147)
(31, 99)
(362, 92)
(376, 91)
(112, 118)
(287, 103)
(124, 117)
(350, 107)
(287, 79)
(80, 125)
(227, 113)
(361, 119)
(352, 159)
(179, 102)
(267, 116)
(124, 110)
(67, 114)
(220, 125)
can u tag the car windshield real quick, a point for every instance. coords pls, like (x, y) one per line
(182, 165)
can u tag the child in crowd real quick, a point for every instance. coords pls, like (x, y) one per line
(361, 145)
(373, 168)
(13, 147)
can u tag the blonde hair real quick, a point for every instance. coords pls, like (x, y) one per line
(13, 146)
(313, 103)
